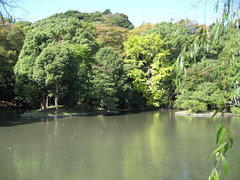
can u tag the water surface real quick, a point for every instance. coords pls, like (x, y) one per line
(143, 146)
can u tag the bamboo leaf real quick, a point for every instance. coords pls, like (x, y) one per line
(230, 139)
(219, 133)
(214, 152)
(216, 177)
(217, 111)
(231, 142)
(216, 6)
(225, 165)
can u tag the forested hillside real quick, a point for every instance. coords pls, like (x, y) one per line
(99, 60)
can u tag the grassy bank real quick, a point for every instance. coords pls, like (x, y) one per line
(65, 112)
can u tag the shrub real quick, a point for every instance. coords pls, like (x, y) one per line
(235, 110)
(194, 106)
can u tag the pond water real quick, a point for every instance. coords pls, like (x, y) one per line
(155, 145)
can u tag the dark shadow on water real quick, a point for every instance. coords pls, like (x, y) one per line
(10, 118)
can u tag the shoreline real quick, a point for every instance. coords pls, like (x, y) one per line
(185, 113)
(60, 115)
(63, 112)
(50, 113)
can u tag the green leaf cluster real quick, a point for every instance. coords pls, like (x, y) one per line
(50, 58)
(213, 81)
(107, 78)
(11, 42)
(149, 68)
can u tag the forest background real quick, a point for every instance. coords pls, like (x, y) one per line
(99, 60)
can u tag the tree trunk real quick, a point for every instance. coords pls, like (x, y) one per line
(43, 103)
(56, 98)
(56, 103)
(47, 98)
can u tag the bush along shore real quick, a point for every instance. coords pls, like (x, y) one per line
(207, 114)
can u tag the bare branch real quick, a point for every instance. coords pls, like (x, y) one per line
(6, 10)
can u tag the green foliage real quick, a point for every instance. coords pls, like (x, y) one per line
(11, 41)
(53, 66)
(113, 36)
(46, 61)
(27, 91)
(224, 141)
(107, 78)
(204, 82)
(79, 91)
(67, 30)
(86, 17)
(141, 29)
(148, 66)
(175, 36)
(106, 17)
(201, 46)
(220, 43)
(117, 19)
(194, 106)
(25, 25)
(189, 24)
(107, 11)
(235, 110)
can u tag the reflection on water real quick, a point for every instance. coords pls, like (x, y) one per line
(150, 145)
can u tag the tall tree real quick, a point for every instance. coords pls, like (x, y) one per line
(53, 69)
(11, 42)
(41, 39)
(113, 36)
(176, 37)
(107, 78)
(148, 66)
(118, 19)
(140, 29)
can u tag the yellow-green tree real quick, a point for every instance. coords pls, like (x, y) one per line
(147, 66)
(142, 28)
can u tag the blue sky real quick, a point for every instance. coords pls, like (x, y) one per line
(138, 11)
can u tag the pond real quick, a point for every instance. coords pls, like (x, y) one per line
(155, 145)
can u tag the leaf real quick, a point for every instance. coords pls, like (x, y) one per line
(230, 139)
(215, 113)
(216, 177)
(220, 109)
(225, 165)
(216, 6)
(219, 134)
(214, 152)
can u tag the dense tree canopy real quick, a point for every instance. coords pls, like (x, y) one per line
(106, 17)
(39, 60)
(113, 36)
(107, 78)
(146, 57)
(11, 41)
(99, 59)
